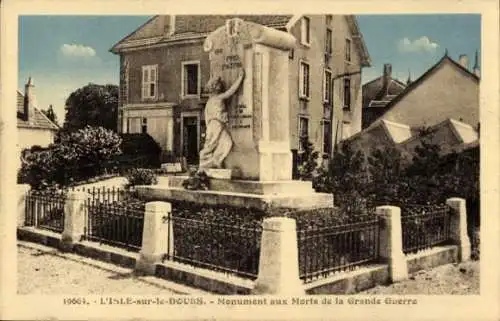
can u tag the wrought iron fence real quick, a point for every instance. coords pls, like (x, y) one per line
(328, 249)
(424, 226)
(215, 246)
(104, 194)
(45, 209)
(115, 223)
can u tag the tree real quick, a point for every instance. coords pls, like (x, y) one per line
(94, 105)
(50, 114)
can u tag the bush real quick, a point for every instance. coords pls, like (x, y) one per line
(74, 156)
(139, 150)
(308, 161)
(197, 180)
(141, 176)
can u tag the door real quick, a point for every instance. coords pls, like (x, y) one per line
(190, 139)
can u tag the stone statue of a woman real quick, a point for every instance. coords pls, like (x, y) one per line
(218, 140)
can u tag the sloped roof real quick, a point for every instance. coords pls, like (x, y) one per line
(464, 133)
(396, 132)
(156, 30)
(425, 76)
(39, 121)
(374, 91)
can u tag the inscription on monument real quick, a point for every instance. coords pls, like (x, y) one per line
(240, 117)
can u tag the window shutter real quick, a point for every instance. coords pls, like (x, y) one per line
(301, 80)
(144, 81)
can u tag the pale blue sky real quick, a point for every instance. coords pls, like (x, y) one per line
(63, 53)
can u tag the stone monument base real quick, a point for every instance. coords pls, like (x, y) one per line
(219, 173)
(242, 193)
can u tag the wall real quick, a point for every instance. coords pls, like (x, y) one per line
(28, 137)
(314, 55)
(447, 93)
(169, 59)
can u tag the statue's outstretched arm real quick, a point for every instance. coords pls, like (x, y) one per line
(234, 86)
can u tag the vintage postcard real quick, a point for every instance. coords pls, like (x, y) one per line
(249, 160)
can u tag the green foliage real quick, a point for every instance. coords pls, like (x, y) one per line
(308, 161)
(359, 183)
(73, 156)
(346, 177)
(141, 176)
(386, 175)
(139, 150)
(50, 114)
(197, 180)
(94, 105)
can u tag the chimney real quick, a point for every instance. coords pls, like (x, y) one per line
(29, 100)
(463, 60)
(387, 77)
(476, 69)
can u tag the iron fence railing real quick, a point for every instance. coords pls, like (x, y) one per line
(215, 246)
(103, 194)
(45, 209)
(115, 223)
(336, 248)
(424, 227)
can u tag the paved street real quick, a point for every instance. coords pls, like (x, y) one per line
(45, 270)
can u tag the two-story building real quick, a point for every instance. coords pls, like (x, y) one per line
(163, 70)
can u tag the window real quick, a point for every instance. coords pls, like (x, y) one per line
(303, 132)
(134, 125)
(348, 49)
(304, 80)
(329, 19)
(327, 86)
(144, 128)
(347, 93)
(328, 41)
(149, 81)
(327, 137)
(305, 35)
(190, 78)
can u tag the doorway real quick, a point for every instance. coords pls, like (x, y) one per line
(190, 139)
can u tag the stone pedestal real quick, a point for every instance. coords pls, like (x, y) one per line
(74, 218)
(157, 236)
(458, 230)
(391, 242)
(22, 192)
(279, 259)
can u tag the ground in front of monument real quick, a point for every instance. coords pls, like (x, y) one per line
(44, 270)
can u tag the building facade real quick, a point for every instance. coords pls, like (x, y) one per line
(164, 69)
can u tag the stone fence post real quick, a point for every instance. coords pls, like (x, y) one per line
(22, 192)
(74, 218)
(157, 236)
(391, 242)
(458, 226)
(279, 259)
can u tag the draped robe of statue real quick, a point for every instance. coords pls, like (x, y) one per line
(218, 142)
